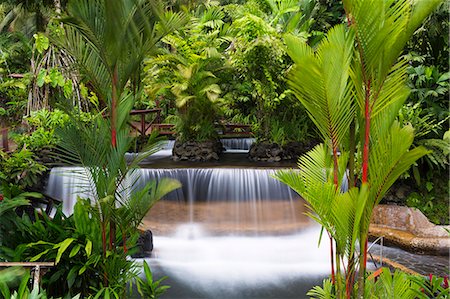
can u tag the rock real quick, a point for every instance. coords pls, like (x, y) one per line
(397, 194)
(410, 229)
(263, 151)
(293, 150)
(144, 245)
(273, 152)
(403, 191)
(197, 151)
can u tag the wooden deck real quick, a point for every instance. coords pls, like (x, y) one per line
(147, 124)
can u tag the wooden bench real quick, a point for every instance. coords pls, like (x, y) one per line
(35, 267)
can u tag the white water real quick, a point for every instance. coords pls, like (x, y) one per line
(207, 266)
(235, 259)
(211, 184)
(215, 251)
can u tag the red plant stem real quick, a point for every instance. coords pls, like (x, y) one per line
(333, 278)
(114, 108)
(365, 164)
(349, 278)
(105, 275)
(112, 235)
(335, 168)
(365, 255)
(104, 238)
(124, 240)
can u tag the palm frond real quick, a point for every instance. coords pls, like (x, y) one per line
(320, 81)
(391, 158)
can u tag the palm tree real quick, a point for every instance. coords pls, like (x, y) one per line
(188, 71)
(109, 40)
(352, 87)
(196, 94)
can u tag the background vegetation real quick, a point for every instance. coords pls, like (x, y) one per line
(205, 64)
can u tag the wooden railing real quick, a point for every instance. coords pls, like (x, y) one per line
(143, 127)
(38, 269)
(241, 130)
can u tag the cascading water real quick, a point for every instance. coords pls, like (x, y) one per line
(227, 233)
(237, 144)
(200, 265)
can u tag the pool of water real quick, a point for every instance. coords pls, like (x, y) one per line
(203, 265)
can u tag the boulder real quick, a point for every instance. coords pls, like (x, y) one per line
(264, 151)
(197, 150)
(144, 245)
(410, 229)
(294, 149)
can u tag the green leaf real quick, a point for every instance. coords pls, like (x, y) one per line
(37, 257)
(68, 89)
(56, 78)
(72, 276)
(88, 247)
(148, 273)
(24, 285)
(4, 289)
(41, 42)
(82, 270)
(40, 80)
(63, 246)
(74, 250)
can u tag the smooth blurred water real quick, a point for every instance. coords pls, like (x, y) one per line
(227, 233)
(207, 266)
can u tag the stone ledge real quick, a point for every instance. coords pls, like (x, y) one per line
(410, 229)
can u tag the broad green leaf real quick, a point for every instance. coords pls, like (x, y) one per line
(5, 290)
(88, 248)
(148, 273)
(37, 257)
(68, 89)
(41, 42)
(23, 285)
(63, 246)
(74, 250)
(40, 80)
(82, 270)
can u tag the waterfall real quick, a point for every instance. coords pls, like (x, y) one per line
(198, 184)
(212, 184)
(237, 144)
(227, 233)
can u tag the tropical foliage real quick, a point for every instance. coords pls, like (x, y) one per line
(352, 86)
(367, 78)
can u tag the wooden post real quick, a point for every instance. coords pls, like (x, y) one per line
(36, 277)
(5, 143)
(36, 266)
(143, 125)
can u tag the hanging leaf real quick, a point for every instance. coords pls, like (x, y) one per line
(41, 77)
(68, 89)
(62, 247)
(41, 42)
